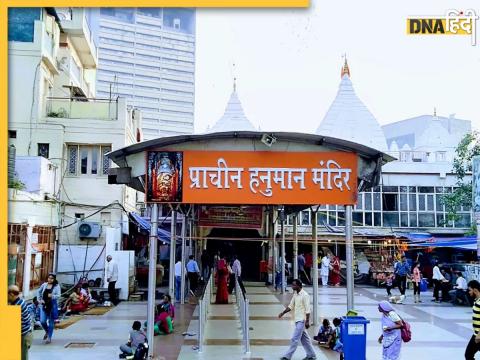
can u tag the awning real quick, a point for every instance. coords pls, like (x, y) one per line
(144, 224)
(462, 243)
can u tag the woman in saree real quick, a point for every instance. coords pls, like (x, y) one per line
(391, 338)
(222, 286)
(335, 271)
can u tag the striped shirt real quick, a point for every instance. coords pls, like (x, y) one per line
(26, 318)
(476, 316)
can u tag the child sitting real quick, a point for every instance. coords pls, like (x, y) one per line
(136, 338)
(324, 332)
(335, 341)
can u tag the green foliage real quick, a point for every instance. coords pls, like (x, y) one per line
(16, 184)
(462, 166)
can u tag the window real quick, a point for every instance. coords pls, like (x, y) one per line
(441, 156)
(43, 150)
(390, 202)
(306, 217)
(12, 134)
(79, 215)
(88, 159)
(106, 218)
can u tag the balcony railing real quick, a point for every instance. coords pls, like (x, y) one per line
(81, 108)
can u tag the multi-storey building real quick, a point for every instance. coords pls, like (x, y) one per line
(147, 55)
(61, 135)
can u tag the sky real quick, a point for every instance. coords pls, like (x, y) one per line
(288, 63)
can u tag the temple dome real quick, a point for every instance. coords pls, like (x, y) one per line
(234, 118)
(349, 119)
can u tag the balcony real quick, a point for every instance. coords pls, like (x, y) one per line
(74, 23)
(81, 108)
(48, 46)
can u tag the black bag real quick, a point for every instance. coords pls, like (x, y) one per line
(142, 352)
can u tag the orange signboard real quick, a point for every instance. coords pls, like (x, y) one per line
(261, 177)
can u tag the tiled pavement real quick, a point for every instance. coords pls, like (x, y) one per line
(440, 331)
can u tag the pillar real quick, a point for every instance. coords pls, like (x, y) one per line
(152, 274)
(315, 268)
(173, 243)
(349, 250)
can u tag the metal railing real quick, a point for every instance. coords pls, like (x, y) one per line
(243, 309)
(81, 108)
(204, 307)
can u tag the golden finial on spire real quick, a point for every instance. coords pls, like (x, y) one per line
(345, 68)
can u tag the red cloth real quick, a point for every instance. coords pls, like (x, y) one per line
(222, 278)
(161, 321)
(80, 307)
(309, 260)
(335, 272)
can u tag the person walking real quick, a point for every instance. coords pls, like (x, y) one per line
(48, 295)
(301, 267)
(206, 263)
(391, 338)
(278, 274)
(437, 278)
(416, 279)
(300, 305)
(26, 328)
(222, 282)
(112, 277)
(237, 270)
(335, 271)
(474, 344)
(402, 271)
(178, 280)
(309, 264)
(193, 273)
(325, 269)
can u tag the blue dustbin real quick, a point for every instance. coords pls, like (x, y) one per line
(353, 334)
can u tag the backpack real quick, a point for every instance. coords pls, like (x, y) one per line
(406, 331)
(142, 352)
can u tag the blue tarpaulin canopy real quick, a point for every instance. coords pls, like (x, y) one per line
(463, 243)
(144, 224)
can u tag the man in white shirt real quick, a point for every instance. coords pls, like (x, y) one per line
(459, 290)
(178, 280)
(237, 270)
(300, 306)
(112, 277)
(325, 269)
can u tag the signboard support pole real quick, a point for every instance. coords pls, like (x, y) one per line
(315, 269)
(349, 250)
(173, 245)
(184, 243)
(274, 248)
(282, 261)
(295, 247)
(476, 198)
(27, 265)
(152, 274)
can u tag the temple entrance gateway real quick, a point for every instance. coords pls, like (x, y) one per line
(292, 173)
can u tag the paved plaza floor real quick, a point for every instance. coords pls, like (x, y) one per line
(439, 331)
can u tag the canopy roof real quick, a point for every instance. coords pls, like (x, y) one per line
(132, 159)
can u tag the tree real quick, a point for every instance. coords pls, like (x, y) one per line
(468, 147)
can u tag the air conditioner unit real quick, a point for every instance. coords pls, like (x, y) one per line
(89, 230)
